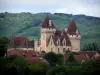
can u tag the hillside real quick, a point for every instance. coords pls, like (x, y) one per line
(28, 24)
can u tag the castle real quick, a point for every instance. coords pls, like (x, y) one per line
(57, 41)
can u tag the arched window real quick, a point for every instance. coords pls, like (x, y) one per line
(68, 49)
(64, 50)
(51, 49)
(58, 50)
(58, 42)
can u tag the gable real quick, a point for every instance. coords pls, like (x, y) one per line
(51, 42)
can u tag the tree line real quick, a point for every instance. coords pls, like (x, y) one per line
(28, 24)
(54, 64)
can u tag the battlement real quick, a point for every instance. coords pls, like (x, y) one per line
(74, 36)
(66, 29)
(48, 29)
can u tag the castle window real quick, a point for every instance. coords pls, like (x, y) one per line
(64, 43)
(58, 42)
(68, 49)
(64, 50)
(51, 49)
(58, 50)
(51, 43)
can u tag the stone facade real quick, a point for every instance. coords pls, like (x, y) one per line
(58, 41)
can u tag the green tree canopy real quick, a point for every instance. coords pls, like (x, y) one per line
(58, 70)
(71, 58)
(38, 68)
(17, 62)
(51, 58)
(91, 47)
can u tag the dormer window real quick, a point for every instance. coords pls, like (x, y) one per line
(64, 42)
(49, 22)
(58, 42)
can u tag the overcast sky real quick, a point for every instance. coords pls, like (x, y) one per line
(87, 7)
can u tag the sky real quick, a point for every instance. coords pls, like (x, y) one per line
(87, 7)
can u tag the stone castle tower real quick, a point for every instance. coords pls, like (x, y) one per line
(58, 41)
(47, 30)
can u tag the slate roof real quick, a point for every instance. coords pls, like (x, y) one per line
(72, 28)
(20, 41)
(45, 24)
(60, 36)
(80, 57)
(30, 55)
(90, 54)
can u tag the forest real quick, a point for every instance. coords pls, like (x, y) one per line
(28, 24)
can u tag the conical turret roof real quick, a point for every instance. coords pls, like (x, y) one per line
(45, 24)
(72, 28)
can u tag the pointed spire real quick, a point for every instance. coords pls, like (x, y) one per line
(47, 23)
(72, 28)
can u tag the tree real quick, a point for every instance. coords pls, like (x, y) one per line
(91, 67)
(51, 58)
(71, 58)
(38, 68)
(91, 47)
(17, 62)
(60, 59)
(3, 46)
(58, 70)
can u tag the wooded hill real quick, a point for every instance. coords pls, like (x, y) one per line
(28, 24)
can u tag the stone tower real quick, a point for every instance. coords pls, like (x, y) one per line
(47, 29)
(74, 36)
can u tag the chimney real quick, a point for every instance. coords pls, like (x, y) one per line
(66, 29)
(49, 22)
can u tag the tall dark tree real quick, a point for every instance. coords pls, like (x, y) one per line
(3, 46)
(71, 58)
(51, 58)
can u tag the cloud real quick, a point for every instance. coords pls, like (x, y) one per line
(91, 11)
(29, 1)
(87, 7)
